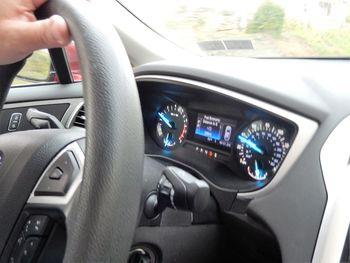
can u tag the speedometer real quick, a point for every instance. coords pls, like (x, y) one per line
(172, 125)
(261, 148)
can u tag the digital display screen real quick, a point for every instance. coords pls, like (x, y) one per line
(214, 129)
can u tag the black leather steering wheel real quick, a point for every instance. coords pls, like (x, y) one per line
(102, 218)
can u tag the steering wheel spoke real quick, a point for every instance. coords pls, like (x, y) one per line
(22, 169)
(60, 181)
(45, 214)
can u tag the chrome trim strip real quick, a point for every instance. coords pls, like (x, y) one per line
(335, 163)
(71, 110)
(74, 114)
(306, 127)
(60, 202)
(12, 105)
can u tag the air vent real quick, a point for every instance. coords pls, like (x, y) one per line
(79, 120)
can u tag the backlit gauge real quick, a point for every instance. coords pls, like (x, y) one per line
(171, 126)
(261, 148)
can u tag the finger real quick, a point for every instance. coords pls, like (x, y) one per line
(22, 38)
(49, 33)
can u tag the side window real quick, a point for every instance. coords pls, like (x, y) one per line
(38, 69)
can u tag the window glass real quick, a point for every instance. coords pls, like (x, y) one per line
(253, 28)
(72, 57)
(38, 69)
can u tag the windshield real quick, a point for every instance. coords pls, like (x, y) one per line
(251, 28)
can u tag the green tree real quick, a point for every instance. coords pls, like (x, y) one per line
(268, 18)
(348, 19)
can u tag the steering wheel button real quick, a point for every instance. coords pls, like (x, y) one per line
(36, 226)
(17, 248)
(56, 174)
(50, 187)
(30, 247)
(67, 163)
(20, 239)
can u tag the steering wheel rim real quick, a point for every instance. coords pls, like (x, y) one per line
(104, 214)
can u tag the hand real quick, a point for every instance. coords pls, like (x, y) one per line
(21, 33)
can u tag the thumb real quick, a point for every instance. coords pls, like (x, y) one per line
(49, 33)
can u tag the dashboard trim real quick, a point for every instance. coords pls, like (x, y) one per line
(336, 173)
(306, 127)
(73, 102)
(74, 114)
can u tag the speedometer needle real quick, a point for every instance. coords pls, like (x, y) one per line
(251, 144)
(257, 171)
(166, 140)
(167, 122)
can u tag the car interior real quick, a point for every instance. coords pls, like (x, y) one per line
(145, 152)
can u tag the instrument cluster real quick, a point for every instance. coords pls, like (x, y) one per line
(259, 147)
(230, 142)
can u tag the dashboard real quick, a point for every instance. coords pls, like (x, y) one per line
(231, 142)
(256, 141)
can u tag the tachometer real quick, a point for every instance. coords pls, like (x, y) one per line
(172, 125)
(261, 148)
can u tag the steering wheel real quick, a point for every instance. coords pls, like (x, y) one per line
(101, 202)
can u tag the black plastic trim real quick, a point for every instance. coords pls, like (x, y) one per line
(59, 61)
